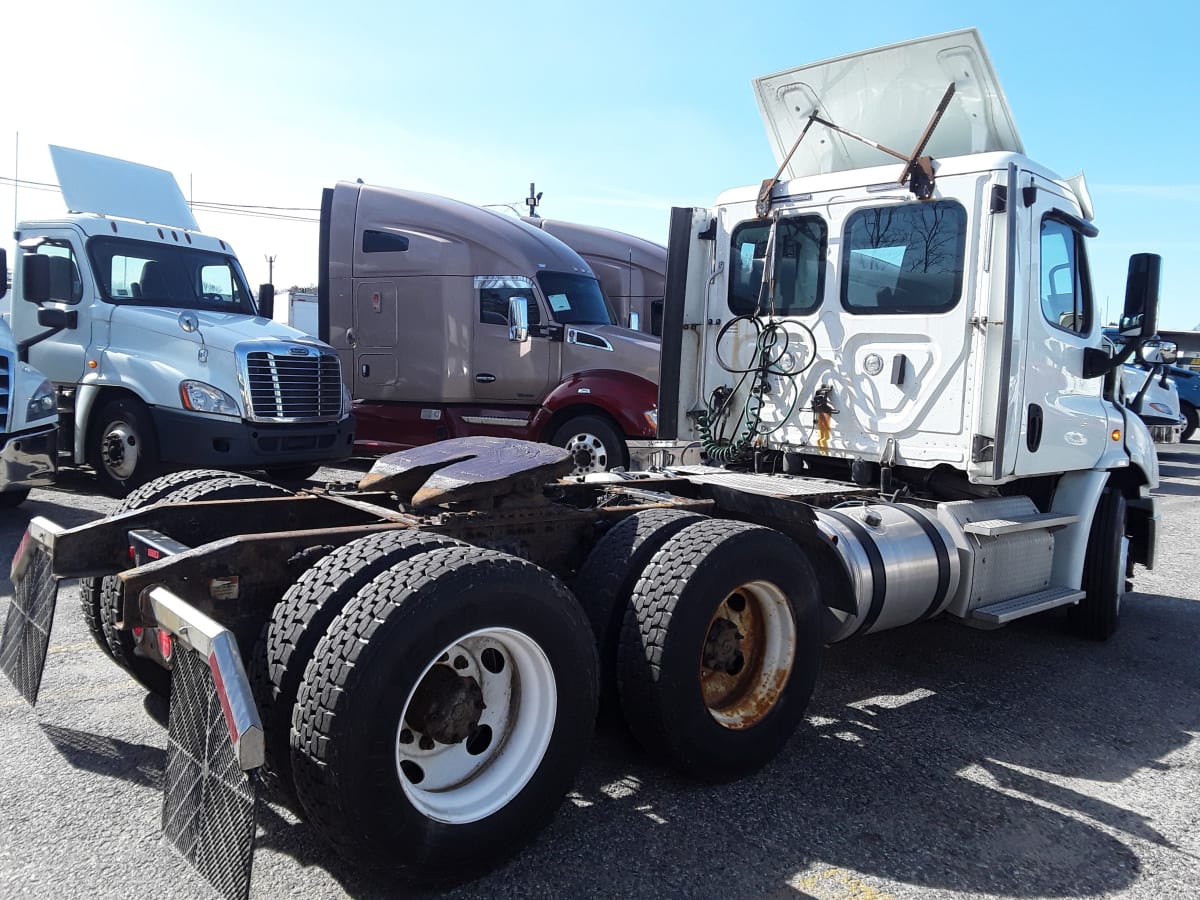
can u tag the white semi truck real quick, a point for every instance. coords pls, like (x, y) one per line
(148, 331)
(896, 370)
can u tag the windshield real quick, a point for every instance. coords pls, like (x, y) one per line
(149, 274)
(575, 299)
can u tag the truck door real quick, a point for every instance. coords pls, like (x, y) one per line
(506, 371)
(1063, 424)
(61, 356)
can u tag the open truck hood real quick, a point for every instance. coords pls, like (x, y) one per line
(888, 95)
(91, 183)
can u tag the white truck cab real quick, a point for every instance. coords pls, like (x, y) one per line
(149, 332)
(920, 322)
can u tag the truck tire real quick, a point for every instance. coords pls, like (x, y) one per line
(720, 648)
(300, 620)
(607, 577)
(146, 495)
(15, 497)
(411, 747)
(122, 446)
(594, 444)
(1105, 568)
(122, 643)
(1189, 413)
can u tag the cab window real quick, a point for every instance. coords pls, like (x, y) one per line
(1063, 278)
(800, 244)
(904, 259)
(65, 283)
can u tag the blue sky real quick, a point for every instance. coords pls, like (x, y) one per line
(617, 110)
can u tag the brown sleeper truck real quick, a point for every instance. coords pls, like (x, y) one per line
(453, 321)
(897, 428)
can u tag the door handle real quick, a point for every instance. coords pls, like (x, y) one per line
(364, 370)
(1033, 428)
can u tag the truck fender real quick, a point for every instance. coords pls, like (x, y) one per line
(1140, 446)
(1078, 494)
(125, 375)
(626, 399)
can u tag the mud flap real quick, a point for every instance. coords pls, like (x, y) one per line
(208, 801)
(26, 635)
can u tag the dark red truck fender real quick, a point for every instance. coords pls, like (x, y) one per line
(631, 401)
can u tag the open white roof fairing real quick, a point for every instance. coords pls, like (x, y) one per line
(91, 183)
(888, 95)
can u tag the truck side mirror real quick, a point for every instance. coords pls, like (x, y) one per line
(1139, 319)
(266, 300)
(635, 320)
(1154, 352)
(518, 319)
(3, 272)
(35, 280)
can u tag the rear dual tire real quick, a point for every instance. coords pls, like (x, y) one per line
(445, 713)
(720, 648)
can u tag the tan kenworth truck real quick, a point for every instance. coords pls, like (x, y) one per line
(452, 321)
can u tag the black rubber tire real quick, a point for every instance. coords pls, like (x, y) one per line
(132, 414)
(346, 721)
(607, 577)
(1189, 413)
(293, 474)
(1098, 614)
(616, 451)
(14, 497)
(663, 640)
(300, 620)
(121, 642)
(146, 495)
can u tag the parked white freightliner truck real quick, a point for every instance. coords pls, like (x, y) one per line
(148, 331)
(905, 416)
(28, 418)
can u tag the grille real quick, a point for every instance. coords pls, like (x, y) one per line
(208, 802)
(27, 628)
(284, 386)
(6, 367)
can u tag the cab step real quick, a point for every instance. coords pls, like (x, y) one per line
(1007, 610)
(1012, 524)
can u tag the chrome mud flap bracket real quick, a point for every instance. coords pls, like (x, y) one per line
(215, 743)
(26, 638)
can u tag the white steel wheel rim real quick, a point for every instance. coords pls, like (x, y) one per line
(124, 465)
(769, 646)
(457, 786)
(597, 453)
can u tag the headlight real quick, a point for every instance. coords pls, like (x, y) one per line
(200, 397)
(42, 403)
(1161, 408)
(651, 417)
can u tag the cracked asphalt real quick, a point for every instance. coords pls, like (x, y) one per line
(936, 761)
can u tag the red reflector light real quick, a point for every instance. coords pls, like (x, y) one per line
(137, 633)
(132, 554)
(165, 644)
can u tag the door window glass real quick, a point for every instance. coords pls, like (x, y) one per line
(65, 284)
(1063, 284)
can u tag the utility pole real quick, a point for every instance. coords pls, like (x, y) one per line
(270, 269)
(533, 200)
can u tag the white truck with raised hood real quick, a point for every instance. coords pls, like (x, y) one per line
(150, 335)
(28, 418)
(896, 369)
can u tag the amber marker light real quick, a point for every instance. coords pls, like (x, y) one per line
(1116, 434)
(92, 364)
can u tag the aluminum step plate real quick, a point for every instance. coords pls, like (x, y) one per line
(1008, 610)
(790, 486)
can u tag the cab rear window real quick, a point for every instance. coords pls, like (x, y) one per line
(904, 259)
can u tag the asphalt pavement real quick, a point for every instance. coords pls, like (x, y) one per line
(936, 761)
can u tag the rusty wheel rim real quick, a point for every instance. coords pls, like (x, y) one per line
(747, 657)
